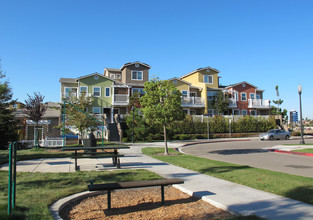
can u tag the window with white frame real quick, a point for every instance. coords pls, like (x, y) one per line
(83, 89)
(211, 95)
(70, 92)
(236, 96)
(184, 93)
(139, 91)
(96, 110)
(244, 112)
(243, 96)
(252, 96)
(107, 91)
(208, 79)
(96, 91)
(137, 75)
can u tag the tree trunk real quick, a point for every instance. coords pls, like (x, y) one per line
(165, 141)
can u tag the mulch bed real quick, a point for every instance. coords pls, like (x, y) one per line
(143, 203)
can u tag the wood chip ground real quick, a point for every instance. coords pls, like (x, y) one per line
(144, 203)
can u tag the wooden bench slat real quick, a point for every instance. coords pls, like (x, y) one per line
(134, 184)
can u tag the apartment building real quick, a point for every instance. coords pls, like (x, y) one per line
(111, 90)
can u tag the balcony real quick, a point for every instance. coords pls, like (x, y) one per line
(73, 94)
(121, 99)
(232, 103)
(193, 102)
(259, 103)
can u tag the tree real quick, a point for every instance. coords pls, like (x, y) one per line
(221, 102)
(161, 104)
(74, 115)
(8, 123)
(278, 101)
(35, 109)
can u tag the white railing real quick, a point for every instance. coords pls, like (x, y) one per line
(193, 101)
(259, 103)
(69, 95)
(121, 98)
(232, 103)
(48, 142)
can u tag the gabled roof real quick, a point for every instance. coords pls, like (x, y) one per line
(67, 80)
(244, 82)
(133, 63)
(93, 74)
(175, 78)
(198, 70)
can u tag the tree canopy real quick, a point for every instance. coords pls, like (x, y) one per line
(161, 104)
(8, 123)
(221, 102)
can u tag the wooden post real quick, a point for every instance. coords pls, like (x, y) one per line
(109, 199)
(162, 194)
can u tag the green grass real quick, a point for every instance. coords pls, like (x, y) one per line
(291, 186)
(36, 191)
(308, 150)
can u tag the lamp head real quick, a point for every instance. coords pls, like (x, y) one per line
(299, 89)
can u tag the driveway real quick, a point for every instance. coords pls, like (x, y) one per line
(253, 153)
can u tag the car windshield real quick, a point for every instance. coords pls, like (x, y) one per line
(271, 131)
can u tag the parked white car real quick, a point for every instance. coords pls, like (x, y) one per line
(275, 134)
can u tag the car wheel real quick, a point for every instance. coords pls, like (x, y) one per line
(271, 138)
(287, 137)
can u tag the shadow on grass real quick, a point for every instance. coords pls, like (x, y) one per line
(223, 169)
(303, 193)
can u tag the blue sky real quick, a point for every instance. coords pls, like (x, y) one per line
(265, 43)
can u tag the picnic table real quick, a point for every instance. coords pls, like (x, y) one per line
(93, 153)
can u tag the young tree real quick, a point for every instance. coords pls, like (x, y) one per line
(278, 101)
(35, 109)
(8, 123)
(221, 102)
(75, 117)
(161, 104)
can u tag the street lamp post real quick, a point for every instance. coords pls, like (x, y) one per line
(301, 125)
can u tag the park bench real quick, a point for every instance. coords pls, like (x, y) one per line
(135, 184)
(93, 153)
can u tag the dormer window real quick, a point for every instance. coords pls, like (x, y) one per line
(208, 79)
(137, 75)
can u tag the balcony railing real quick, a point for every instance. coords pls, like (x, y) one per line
(193, 102)
(121, 99)
(232, 103)
(258, 103)
(73, 94)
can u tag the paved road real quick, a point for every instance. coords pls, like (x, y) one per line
(253, 153)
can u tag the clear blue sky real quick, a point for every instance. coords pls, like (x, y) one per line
(265, 43)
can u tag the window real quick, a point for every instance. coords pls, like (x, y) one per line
(139, 91)
(258, 96)
(70, 92)
(244, 112)
(83, 89)
(252, 112)
(115, 76)
(208, 79)
(236, 96)
(212, 112)
(236, 112)
(211, 95)
(96, 91)
(193, 94)
(107, 91)
(184, 93)
(136, 75)
(96, 110)
(243, 96)
(252, 96)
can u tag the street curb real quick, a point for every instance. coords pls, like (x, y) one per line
(291, 152)
(214, 141)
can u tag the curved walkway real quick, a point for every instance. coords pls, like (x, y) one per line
(223, 194)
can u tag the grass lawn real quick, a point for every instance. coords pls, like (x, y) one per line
(308, 150)
(36, 191)
(291, 186)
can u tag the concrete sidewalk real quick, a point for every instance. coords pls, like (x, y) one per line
(223, 194)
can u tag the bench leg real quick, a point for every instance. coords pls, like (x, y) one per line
(118, 164)
(109, 199)
(76, 167)
(162, 194)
